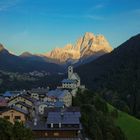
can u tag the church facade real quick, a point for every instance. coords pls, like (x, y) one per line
(73, 80)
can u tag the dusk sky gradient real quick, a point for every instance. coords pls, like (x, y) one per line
(38, 26)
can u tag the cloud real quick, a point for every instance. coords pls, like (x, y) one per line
(6, 4)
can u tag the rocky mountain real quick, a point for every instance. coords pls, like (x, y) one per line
(1, 47)
(117, 76)
(86, 48)
(13, 63)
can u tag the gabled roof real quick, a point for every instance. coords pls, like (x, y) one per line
(25, 96)
(77, 76)
(63, 118)
(57, 93)
(13, 108)
(24, 104)
(13, 93)
(40, 91)
(54, 104)
(7, 94)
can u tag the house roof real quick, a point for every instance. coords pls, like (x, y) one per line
(67, 109)
(63, 118)
(12, 93)
(54, 104)
(3, 102)
(24, 104)
(7, 94)
(55, 116)
(40, 91)
(57, 93)
(25, 96)
(13, 108)
(77, 76)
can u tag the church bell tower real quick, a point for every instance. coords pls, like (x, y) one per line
(70, 72)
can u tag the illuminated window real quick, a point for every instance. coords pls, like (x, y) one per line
(46, 134)
(56, 134)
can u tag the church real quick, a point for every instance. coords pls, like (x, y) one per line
(73, 81)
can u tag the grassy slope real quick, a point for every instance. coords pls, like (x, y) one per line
(130, 125)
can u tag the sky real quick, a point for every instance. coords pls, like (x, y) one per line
(38, 26)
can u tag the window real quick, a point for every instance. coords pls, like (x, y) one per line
(76, 126)
(17, 117)
(7, 117)
(56, 134)
(49, 125)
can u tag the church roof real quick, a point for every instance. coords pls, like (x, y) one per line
(69, 81)
(77, 76)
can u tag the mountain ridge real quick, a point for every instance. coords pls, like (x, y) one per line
(86, 46)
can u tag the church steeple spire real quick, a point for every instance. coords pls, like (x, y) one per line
(70, 72)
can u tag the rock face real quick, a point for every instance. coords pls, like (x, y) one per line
(1, 47)
(87, 46)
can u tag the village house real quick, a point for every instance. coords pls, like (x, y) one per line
(13, 114)
(39, 93)
(60, 95)
(59, 124)
(43, 105)
(21, 98)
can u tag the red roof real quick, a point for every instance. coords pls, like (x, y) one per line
(3, 102)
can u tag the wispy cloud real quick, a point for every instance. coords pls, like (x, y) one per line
(7, 4)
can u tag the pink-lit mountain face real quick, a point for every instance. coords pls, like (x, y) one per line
(87, 46)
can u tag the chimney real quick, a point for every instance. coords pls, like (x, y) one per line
(51, 125)
(59, 125)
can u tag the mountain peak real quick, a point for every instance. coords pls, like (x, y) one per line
(26, 54)
(89, 35)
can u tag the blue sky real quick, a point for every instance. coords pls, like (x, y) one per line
(38, 26)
